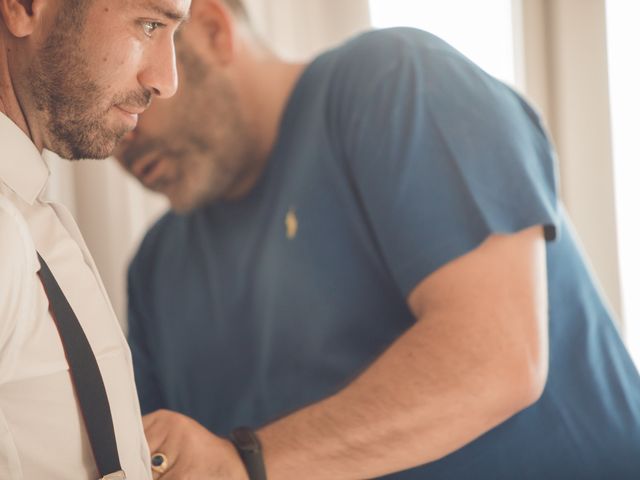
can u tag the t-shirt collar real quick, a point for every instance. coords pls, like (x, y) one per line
(22, 167)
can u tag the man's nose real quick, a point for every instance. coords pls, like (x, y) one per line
(160, 75)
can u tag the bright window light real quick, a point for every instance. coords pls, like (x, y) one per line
(481, 30)
(624, 79)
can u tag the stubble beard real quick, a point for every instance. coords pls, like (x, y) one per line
(226, 153)
(218, 147)
(70, 99)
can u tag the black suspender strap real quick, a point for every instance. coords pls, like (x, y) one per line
(86, 377)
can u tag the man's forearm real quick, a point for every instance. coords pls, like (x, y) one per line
(420, 401)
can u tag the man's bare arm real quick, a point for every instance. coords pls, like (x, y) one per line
(477, 355)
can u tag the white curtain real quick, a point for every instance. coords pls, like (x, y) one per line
(114, 212)
(299, 29)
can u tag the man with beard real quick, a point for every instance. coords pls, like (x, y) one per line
(74, 76)
(368, 266)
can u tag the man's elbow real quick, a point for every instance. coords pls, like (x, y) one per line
(525, 385)
(533, 387)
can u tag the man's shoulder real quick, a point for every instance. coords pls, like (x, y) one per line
(389, 39)
(387, 48)
(17, 251)
(407, 61)
(16, 244)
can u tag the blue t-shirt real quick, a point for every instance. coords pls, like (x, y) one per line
(395, 156)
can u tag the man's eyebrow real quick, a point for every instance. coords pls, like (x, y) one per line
(168, 12)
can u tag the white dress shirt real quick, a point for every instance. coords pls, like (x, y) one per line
(42, 434)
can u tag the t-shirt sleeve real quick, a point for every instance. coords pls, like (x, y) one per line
(440, 154)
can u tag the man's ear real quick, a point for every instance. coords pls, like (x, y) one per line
(22, 16)
(217, 27)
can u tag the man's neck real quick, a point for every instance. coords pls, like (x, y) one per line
(277, 82)
(3, 109)
(266, 101)
(9, 103)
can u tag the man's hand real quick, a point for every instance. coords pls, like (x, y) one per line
(193, 453)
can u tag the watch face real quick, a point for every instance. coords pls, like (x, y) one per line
(246, 440)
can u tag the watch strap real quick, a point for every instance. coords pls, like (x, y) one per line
(248, 446)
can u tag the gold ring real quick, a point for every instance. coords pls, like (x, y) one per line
(159, 462)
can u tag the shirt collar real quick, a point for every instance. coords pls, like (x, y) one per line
(22, 167)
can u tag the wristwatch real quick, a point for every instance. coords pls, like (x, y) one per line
(250, 451)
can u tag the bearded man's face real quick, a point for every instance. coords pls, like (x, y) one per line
(199, 146)
(98, 69)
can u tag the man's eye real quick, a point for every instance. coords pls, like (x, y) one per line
(150, 27)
